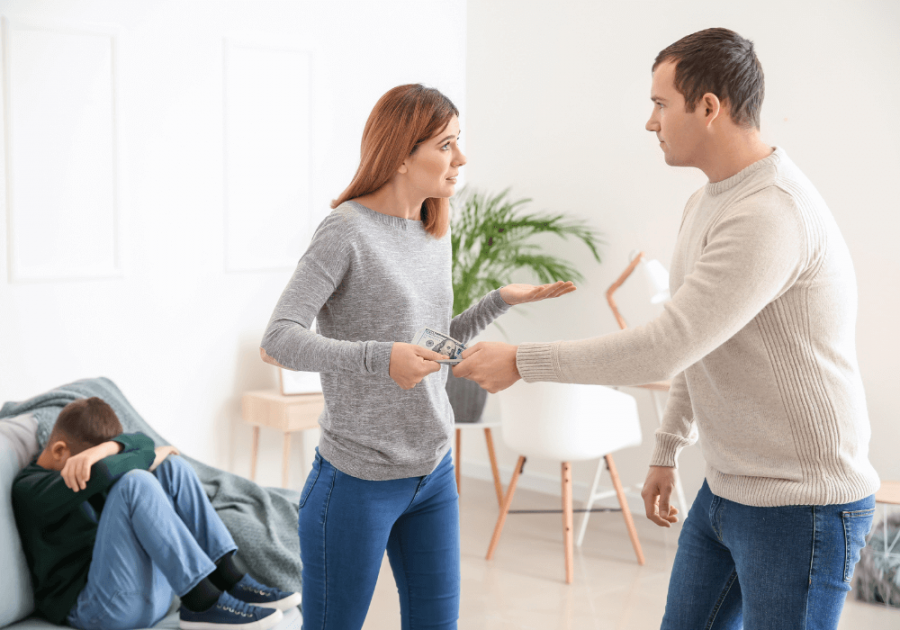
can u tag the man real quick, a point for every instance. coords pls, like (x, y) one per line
(759, 341)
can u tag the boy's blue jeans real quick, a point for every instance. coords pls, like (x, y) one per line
(764, 568)
(158, 534)
(346, 524)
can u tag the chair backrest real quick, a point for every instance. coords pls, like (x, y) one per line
(567, 422)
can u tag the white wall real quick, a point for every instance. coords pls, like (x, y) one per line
(558, 94)
(165, 163)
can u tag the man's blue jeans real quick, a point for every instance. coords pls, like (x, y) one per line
(158, 535)
(346, 524)
(777, 568)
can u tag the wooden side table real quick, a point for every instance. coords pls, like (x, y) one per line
(269, 408)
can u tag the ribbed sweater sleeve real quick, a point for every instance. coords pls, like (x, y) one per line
(677, 428)
(318, 276)
(752, 256)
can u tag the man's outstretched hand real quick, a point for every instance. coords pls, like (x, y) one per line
(491, 364)
(657, 492)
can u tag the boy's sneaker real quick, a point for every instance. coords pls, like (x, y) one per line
(252, 592)
(229, 613)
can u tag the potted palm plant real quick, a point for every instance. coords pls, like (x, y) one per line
(493, 238)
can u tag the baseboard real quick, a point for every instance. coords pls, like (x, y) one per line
(549, 484)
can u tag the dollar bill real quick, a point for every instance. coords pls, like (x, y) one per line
(440, 343)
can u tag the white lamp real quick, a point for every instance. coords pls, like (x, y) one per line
(657, 278)
(657, 282)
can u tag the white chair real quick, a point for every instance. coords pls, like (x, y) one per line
(567, 423)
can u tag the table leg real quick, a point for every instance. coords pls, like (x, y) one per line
(254, 451)
(286, 460)
(458, 460)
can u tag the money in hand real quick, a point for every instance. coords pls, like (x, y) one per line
(440, 343)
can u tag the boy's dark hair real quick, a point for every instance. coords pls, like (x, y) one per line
(721, 62)
(84, 423)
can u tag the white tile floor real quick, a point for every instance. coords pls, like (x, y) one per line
(523, 586)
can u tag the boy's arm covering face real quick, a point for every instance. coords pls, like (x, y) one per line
(43, 494)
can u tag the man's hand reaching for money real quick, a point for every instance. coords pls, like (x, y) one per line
(410, 364)
(491, 364)
(521, 293)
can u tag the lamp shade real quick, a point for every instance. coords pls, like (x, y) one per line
(657, 280)
(656, 275)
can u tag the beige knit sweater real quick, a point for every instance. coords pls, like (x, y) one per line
(759, 338)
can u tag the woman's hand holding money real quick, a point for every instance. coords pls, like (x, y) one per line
(410, 364)
(522, 293)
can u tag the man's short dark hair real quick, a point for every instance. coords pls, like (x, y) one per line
(84, 423)
(720, 62)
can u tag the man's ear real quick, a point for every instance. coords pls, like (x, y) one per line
(711, 106)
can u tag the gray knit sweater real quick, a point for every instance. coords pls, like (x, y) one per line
(760, 338)
(371, 279)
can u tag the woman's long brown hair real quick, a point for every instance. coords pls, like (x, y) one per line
(401, 120)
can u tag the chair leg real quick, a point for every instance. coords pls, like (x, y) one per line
(567, 520)
(589, 504)
(498, 486)
(504, 509)
(626, 513)
(458, 461)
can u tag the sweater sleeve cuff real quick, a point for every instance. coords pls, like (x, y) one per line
(667, 449)
(498, 304)
(538, 362)
(380, 358)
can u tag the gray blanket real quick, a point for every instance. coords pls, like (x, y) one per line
(263, 521)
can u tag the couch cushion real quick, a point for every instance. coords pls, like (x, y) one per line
(18, 601)
(21, 431)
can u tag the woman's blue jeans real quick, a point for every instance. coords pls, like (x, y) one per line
(764, 568)
(346, 524)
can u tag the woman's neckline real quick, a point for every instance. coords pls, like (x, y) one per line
(388, 219)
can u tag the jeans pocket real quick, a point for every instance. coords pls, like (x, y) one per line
(857, 525)
(311, 480)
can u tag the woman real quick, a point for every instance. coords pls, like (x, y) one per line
(378, 269)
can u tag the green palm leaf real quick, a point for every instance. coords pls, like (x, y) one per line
(490, 237)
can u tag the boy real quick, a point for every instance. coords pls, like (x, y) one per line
(111, 527)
